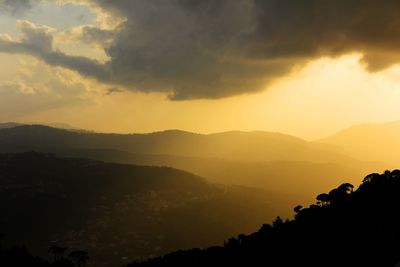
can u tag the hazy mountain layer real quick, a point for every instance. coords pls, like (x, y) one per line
(379, 142)
(242, 146)
(300, 178)
(273, 161)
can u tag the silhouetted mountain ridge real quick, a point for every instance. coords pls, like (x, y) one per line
(243, 146)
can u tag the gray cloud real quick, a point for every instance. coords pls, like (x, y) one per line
(16, 7)
(113, 90)
(92, 34)
(212, 49)
(38, 41)
(312, 28)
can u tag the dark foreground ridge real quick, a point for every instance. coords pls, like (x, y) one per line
(118, 213)
(344, 228)
(19, 256)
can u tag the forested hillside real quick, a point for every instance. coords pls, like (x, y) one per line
(343, 228)
(118, 212)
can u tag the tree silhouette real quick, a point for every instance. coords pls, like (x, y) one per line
(58, 252)
(323, 198)
(80, 257)
(340, 193)
(277, 222)
(346, 187)
(298, 208)
(2, 236)
(371, 177)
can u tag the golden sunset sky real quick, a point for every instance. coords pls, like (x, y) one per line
(306, 69)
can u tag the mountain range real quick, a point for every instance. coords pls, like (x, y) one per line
(273, 161)
(127, 197)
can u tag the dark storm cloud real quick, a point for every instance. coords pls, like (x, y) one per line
(213, 49)
(312, 28)
(181, 47)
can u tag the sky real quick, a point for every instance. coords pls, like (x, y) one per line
(307, 68)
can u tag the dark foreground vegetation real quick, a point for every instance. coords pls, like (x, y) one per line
(20, 257)
(344, 228)
(118, 212)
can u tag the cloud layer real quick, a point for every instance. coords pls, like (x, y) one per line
(212, 49)
(16, 7)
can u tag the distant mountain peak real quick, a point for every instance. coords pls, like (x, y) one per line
(174, 131)
(369, 141)
(58, 126)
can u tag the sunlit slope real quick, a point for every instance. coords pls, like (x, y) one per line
(117, 210)
(301, 178)
(379, 142)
